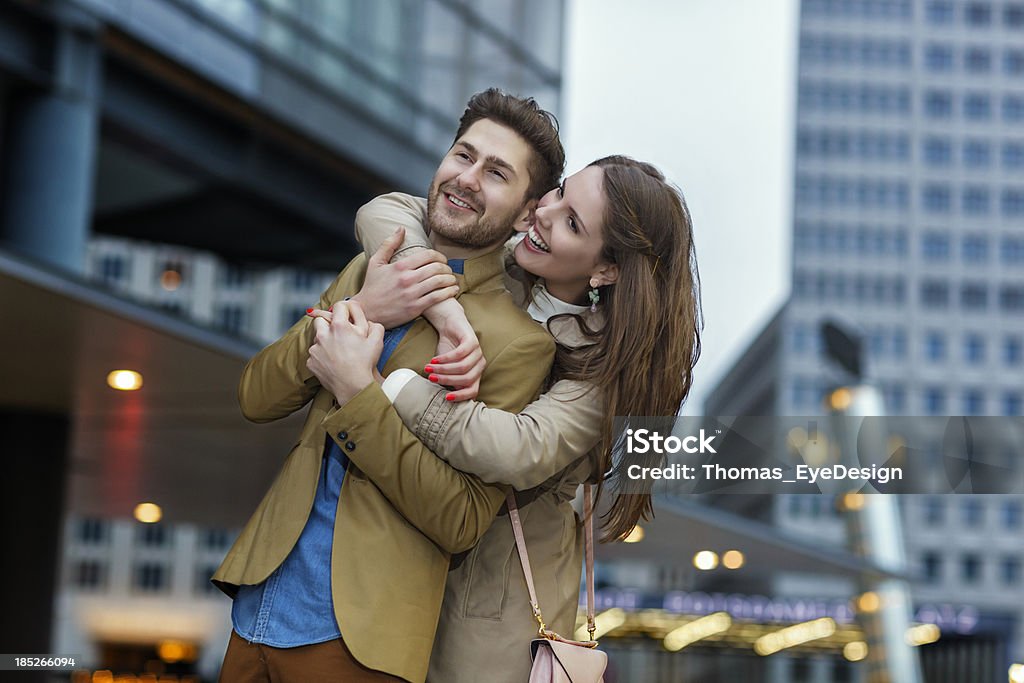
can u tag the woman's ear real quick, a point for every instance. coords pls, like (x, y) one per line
(605, 274)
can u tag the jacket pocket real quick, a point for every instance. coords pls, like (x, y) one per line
(485, 572)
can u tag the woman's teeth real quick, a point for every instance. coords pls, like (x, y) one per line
(537, 241)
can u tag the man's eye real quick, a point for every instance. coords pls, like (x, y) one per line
(498, 174)
(462, 155)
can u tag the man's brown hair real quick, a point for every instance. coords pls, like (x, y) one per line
(538, 127)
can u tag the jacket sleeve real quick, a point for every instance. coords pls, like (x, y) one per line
(452, 508)
(521, 450)
(380, 217)
(276, 382)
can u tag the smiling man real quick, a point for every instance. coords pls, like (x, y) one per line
(332, 582)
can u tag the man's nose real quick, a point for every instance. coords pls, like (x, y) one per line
(470, 178)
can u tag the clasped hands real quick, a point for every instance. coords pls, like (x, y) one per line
(349, 335)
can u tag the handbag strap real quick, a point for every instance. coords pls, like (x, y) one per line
(524, 559)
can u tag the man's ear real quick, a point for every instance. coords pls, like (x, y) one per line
(526, 216)
(605, 274)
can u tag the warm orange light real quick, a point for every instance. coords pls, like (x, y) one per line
(732, 559)
(170, 280)
(103, 676)
(172, 651)
(869, 602)
(148, 513)
(853, 501)
(840, 399)
(124, 380)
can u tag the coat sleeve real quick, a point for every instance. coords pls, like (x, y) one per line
(276, 382)
(521, 450)
(380, 217)
(452, 508)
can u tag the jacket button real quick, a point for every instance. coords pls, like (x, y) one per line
(350, 446)
(342, 435)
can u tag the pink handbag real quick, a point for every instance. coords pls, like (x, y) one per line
(557, 659)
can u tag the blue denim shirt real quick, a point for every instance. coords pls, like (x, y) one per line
(295, 606)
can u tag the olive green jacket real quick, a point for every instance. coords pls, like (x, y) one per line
(402, 512)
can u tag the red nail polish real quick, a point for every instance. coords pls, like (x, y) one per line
(308, 311)
(434, 360)
(433, 378)
(429, 368)
(330, 308)
(449, 397)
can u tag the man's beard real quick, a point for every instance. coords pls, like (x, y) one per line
(483, 232)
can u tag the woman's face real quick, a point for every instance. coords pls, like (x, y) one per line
(564, 244)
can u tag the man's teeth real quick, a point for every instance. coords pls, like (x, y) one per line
(458, 202)
(536, 240)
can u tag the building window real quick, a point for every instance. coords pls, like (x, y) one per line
(934, 401)
(1011, 298)
(153, 536)
(1011, 250)
(978, 14)
(232, 318)
(1012, 202)
(92, 531)
(977, 154)
(1012, 514)
(1013, 108)
(1013, 403)
(935, 346)
(938, 151)
(234, 277)
(113, 269)
(974, 402)
(1010, 570)
(1013, 62)
(973, 512)
(978, 60)
(931, 567)
(895, 397)
(938, 104)
(975, 248)
(1013, 155)
(974, 349)
(974, 296)
(939, 57)
(214, 539)
(89, 575)
(1013, 349)
(303, 280)
(937, 198)
(1013, 15)
(939, 11)
(978, 107)
(976, 201)
(203, 585)
(935, 294)
(970, 568)
(150, 577)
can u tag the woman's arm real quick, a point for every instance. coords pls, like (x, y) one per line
(380, 217)
(458, 348)
(522, 450)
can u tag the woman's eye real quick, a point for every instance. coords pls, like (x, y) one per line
(561, 192)
(572, 224)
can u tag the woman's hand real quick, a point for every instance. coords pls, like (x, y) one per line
(395, 293)
(346, 350)
(459, 362)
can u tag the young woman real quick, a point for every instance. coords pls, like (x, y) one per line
(609, 266)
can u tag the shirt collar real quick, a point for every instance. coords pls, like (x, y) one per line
(545, 306)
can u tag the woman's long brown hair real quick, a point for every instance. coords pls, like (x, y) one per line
(644, 355)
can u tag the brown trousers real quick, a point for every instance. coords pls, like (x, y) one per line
(329, 662)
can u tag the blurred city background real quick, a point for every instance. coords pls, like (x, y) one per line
(179, 179)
